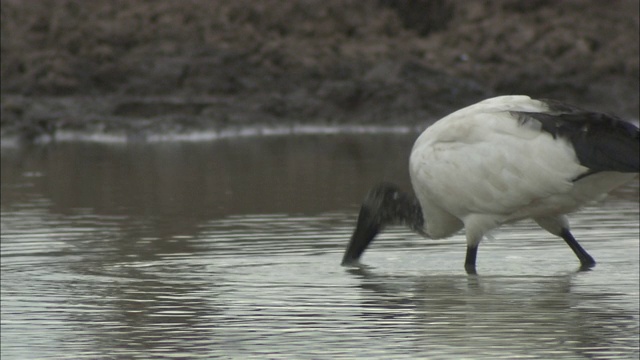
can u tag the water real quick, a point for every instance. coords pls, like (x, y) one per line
(231, 249)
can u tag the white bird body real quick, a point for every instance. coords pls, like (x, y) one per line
(480, 167)
(501, 160)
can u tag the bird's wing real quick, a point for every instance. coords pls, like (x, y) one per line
(491, 164)
(601, 142)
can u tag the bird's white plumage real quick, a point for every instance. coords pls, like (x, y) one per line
(482, 166)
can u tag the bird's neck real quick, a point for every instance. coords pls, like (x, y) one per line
(409, 213)
(403, 209)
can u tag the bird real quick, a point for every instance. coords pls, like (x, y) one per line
(502, 160)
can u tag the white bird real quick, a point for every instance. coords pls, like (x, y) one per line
(502, 160)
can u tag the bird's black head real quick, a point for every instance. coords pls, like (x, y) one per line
(384, 204)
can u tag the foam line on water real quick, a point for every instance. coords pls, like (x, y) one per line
(211, 135)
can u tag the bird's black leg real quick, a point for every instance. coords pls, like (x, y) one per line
(586, 261)
(470, 260)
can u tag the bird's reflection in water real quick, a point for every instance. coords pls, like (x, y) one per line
(512, 315)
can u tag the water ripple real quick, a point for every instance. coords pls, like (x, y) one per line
(101, 275)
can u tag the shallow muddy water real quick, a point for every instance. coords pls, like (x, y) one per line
(231, 249)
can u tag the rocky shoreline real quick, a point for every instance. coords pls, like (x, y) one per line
(144, 69)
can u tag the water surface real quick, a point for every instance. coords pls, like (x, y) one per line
(231, 249)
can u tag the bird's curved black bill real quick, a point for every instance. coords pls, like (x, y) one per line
(363, 235)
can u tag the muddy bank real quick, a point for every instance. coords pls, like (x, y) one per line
(141, 68)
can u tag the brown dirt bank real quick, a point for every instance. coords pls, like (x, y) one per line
(140, 67)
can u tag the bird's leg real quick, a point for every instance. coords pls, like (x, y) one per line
(559, 226)
(586, 261)
(470, 260)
